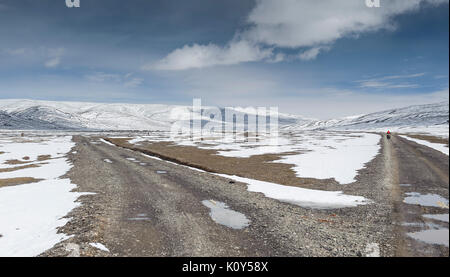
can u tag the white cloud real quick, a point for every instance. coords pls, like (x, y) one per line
(133, 83)
(53, 62)
(377, 84)
(54, 55)
(102, 77)
(16, 52)
(409, 76)
(49, 57)
(292, 24)
(125, 80)
(381, 82)
(198, 56)
(311, 53)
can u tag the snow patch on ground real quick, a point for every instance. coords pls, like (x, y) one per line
(321, 154)
(335, 157)
(437, 146)
(107, 142)
(434, 130)
(33, 148)
(151, 157)
(99, 246)
(243, 149)
(50, 169)
(372, 250)
(307, 198)
(30, 214)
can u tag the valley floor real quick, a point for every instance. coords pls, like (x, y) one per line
(149, 200)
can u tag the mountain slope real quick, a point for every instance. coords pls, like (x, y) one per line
(412, 116)
(33, 114)
(47, 115)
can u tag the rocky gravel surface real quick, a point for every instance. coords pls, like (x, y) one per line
(138, 211)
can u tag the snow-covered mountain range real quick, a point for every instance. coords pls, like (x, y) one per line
(47, 115)
(412, 116)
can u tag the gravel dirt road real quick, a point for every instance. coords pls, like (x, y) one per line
(148, 207)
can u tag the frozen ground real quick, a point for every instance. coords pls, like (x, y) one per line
(31, 213)
(99, 246)
(312, 154)
(338, 148)
(441, 130)
(438, 146)
(433, 233)
(307, 198)
(335, 156)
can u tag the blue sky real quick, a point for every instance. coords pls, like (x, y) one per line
(319, 59)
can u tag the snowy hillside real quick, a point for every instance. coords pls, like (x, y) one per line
(30, 114)
(420, 117)
(44, 115)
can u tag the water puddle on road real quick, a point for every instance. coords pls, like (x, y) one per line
(139, 217)
(434, 233)
(440, 217)
(221, 214)
(431, 200)
(439, 236)
(413, 224)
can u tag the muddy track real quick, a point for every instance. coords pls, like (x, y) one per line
(139, 211)
(414, 168)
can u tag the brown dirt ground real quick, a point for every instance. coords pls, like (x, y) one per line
(40, 158)
(18, 168)
(17, 181)
(15, 162)
(259, 167)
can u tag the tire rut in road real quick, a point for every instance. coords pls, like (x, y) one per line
(419, 170)
(176, 217)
